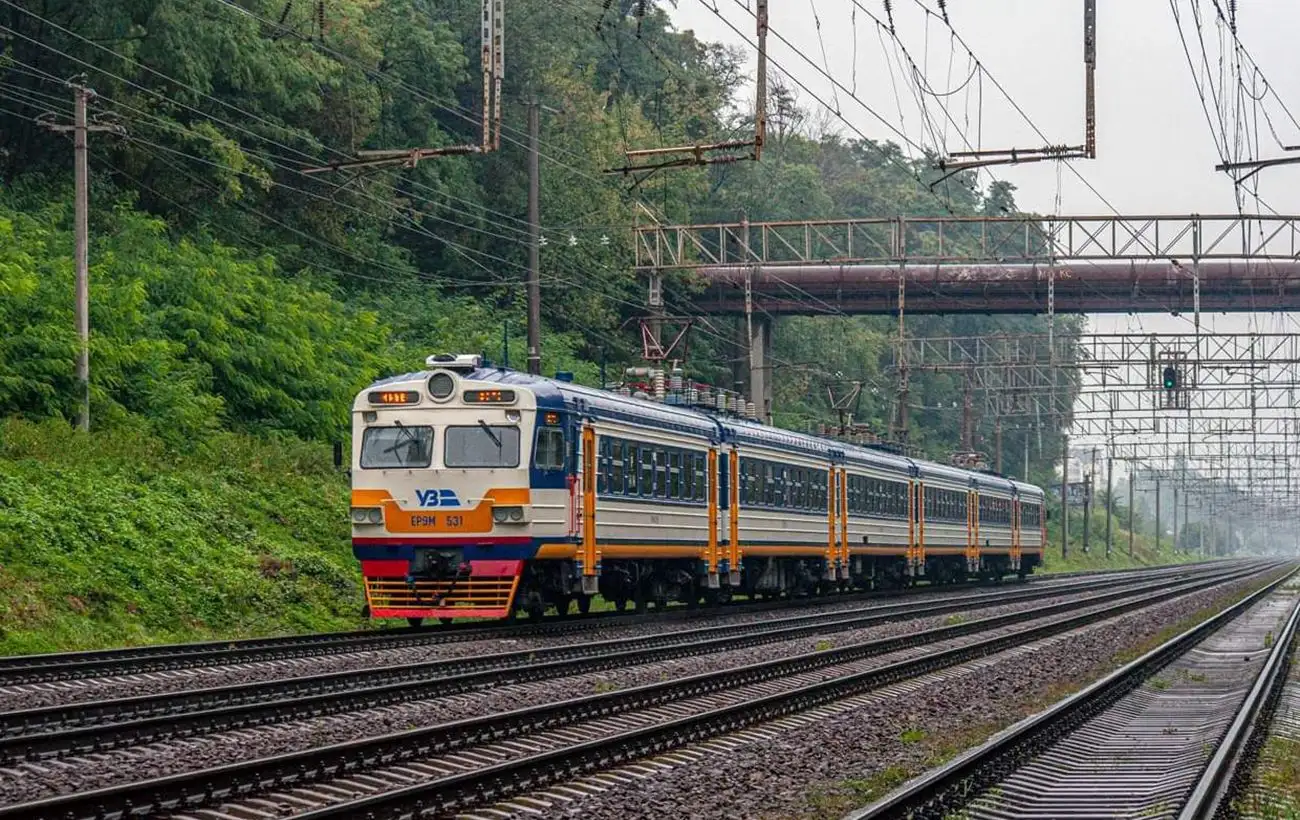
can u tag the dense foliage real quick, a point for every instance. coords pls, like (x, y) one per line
(239, 302)
(232, 289)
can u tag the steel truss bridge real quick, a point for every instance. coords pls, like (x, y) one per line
(1073, 264)
(1231, 432)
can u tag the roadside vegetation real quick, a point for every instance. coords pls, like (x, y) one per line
(237, 304)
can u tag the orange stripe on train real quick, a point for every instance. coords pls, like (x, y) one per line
(469, 519)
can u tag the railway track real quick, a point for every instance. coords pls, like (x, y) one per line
(1167, 735)
(471, 762)
(96, 726)
(24, 670)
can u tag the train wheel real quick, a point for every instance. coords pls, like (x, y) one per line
(415, 622)
(620, 604)
(562, 606)
(584, 604)
(445, 620)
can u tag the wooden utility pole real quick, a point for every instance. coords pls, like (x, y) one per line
(534, 240)
(81, 225)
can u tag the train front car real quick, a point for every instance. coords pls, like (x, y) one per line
(442, 510)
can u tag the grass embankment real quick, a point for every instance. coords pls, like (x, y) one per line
(113, 539)
(1145, 551)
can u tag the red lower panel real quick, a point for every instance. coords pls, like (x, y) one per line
(384, 569)
(495, 569)
(441, 612)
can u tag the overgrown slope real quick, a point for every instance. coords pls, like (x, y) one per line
(114, 539)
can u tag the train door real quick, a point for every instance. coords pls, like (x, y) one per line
(832, 501)
(972, 531)
(712, 556)
(1015, 534)
(916, 529)
(844, 525)
(734, 556)
(590, 552)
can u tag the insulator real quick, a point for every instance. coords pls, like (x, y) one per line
(657, 381)
(675, 380)
(889, 13)
(943, 9)
(721, 403)
(749, 410)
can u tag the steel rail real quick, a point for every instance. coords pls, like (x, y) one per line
(947, 789)
(26, 669)
(46, 668)
(192, 790)
(96, 726)
(1232, 763)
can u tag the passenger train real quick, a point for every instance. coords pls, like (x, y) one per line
(484, 492)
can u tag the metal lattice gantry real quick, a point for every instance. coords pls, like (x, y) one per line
(1118, 376)
(972, 264)
(1228, 435)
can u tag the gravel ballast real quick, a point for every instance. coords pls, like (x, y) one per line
(826, 767)
(164, 682)
(29, 782)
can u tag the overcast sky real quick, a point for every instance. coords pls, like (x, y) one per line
(1156, 152)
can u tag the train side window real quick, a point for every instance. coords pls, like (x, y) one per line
(769, 484)
(602, 461)
(632, 467)
(701, 479)
(688, 476)
(618, 448)
(661, 473)
(646, 483)
(675, 475)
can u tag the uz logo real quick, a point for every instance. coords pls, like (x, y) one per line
(437, 498)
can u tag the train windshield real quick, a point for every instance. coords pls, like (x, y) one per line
(395, 447)
(484, 445)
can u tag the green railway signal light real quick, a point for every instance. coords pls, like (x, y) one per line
(1170, 379)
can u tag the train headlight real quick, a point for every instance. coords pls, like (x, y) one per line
(508, 515)
(367, 515)
(441, 386)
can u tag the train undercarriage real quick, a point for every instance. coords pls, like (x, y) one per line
(644, 584)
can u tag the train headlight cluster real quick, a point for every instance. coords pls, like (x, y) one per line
(508, 515)
(367, 515)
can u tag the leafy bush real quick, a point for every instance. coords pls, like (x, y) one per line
(111, 539)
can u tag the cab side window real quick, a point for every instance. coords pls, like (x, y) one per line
(549, 452)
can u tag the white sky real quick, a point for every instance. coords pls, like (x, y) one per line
(1155, 150)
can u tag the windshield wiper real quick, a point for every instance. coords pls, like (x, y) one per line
(491, 435)
(405, 436)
